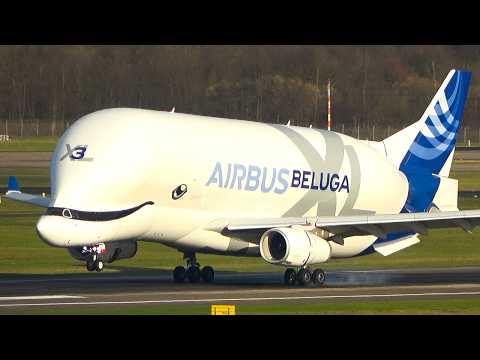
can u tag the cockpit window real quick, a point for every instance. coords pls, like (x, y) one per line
(93, 215)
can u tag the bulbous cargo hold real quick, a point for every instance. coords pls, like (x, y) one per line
(122, 158)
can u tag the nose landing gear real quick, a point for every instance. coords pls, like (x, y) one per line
(94, 253)
(304, 277)
(193, 273)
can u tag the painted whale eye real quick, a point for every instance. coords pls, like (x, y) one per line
(179, 191)
(67, 213)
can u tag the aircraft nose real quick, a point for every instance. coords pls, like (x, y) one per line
(48, 231)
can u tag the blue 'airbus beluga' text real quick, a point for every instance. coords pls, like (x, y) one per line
(252, 178)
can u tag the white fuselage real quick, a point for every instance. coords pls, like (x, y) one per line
(231, 169)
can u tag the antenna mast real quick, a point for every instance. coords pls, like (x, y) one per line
(329, 119)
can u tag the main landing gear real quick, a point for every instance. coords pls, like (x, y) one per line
(304, 277)
(193, 273)
(94, 263)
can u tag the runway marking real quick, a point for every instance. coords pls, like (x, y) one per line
(40, 297)
(306, 290)
(170, 301)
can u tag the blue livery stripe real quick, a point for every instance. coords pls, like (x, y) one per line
(434, 143)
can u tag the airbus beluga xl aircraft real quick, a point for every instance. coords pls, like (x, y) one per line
(296, 197)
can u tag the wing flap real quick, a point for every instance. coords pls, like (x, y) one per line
(390, 247)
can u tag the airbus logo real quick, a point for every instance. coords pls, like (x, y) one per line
(76, 154)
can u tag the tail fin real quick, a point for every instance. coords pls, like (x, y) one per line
(426, 145)
(424, 150)
(13, 184)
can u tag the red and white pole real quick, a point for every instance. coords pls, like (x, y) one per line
(329, 120)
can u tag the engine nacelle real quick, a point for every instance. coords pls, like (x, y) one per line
(116, 250)
(292, 247)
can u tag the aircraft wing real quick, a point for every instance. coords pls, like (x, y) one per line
(341, 227)
(14, 193)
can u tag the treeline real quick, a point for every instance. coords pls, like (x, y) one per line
(372, 85)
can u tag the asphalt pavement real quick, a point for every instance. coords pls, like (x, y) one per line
(155, 287)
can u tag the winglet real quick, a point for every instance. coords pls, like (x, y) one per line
(13, 184)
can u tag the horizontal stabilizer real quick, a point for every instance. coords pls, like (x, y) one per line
(390, 247)
(14, 193)
(28, 198)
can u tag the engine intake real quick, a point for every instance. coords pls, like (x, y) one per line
(292, 247)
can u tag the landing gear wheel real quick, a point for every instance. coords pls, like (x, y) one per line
(208, 274)
(318, 277)
(179, 274)
(90, 265)
(193, 274)
(98, 265)
(304, 277)
(290, 277)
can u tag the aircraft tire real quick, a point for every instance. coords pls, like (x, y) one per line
(98, 266)
(208, 274)
(290, 277)
(179, 274)
(304, 277)
(193, 274)
(318, 277)
(90, 265)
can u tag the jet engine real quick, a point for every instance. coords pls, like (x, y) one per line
(115, 250)
(292, 247)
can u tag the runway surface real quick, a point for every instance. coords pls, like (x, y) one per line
(155, 287)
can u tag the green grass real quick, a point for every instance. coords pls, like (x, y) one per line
(38, 177)
(9, 206)
(467, 180)
(468, 203)
(467, 161)
(460, 306)
(30, 143)
(465, 144)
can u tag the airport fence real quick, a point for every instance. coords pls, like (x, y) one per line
(13, 129)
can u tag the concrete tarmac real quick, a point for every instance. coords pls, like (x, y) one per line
(37, 159)
(155, 287)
